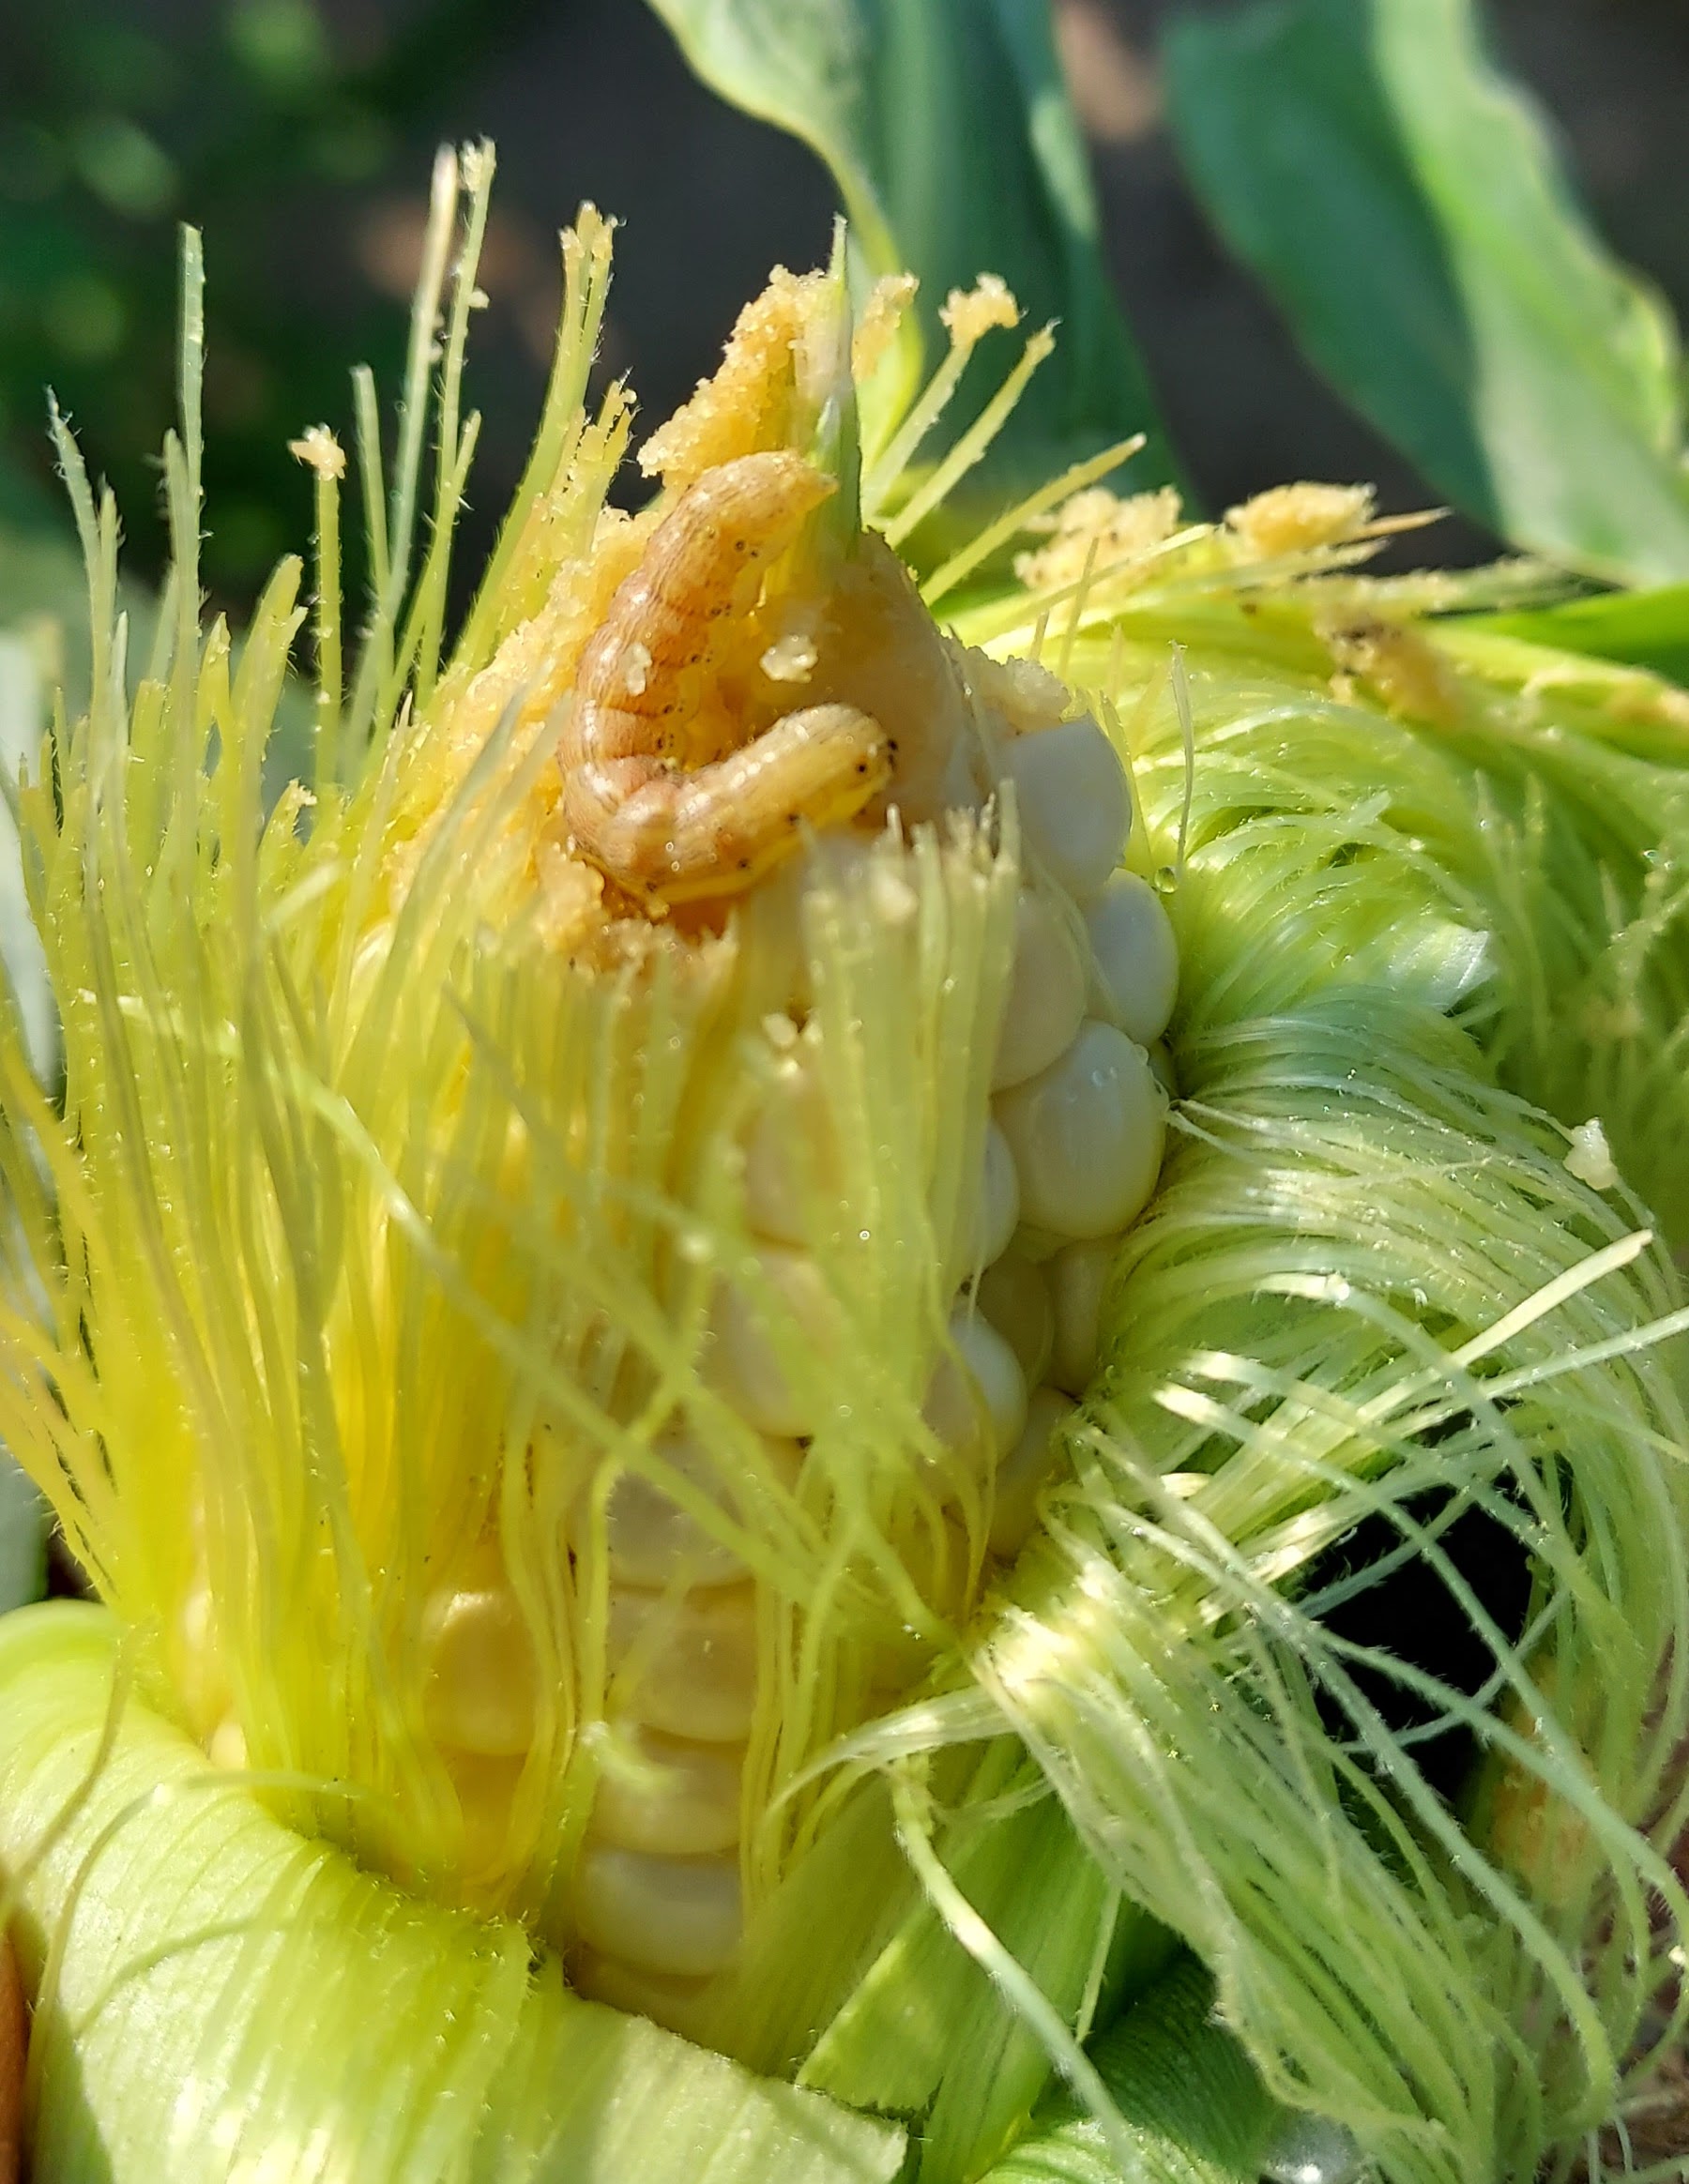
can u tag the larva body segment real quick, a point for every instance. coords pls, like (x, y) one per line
(718, 829)
(655, 792)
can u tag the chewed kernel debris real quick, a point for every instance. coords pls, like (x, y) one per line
(968, 314)
(1099, 528)
(1295, 519)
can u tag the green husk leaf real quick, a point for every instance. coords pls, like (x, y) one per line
(925, 2032)
(1403, 203)
(1192, 2106)
(214, 1994)
(948, 131)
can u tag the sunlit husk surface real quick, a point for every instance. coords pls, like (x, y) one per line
(357, 1205)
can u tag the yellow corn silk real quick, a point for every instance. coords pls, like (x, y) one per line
(513, 1331)
(753, 1267)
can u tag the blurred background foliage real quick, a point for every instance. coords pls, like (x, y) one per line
(298, 133)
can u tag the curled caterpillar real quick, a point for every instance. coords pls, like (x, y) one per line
(635, 802)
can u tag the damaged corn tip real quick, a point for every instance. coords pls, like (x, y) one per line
(744, 1005)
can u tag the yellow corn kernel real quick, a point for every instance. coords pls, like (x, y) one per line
(480, 1693)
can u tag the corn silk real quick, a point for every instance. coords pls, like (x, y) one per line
(388, 1148)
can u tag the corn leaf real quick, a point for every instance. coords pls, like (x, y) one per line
(948, 131)
(1636, 629)
(1405, 206)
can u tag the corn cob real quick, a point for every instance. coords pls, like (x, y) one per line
(620, 1264)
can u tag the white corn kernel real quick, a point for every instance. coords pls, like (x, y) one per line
(1015, 1296)
(667, 1795)
(1022, 1472)
(1078, 1276)
(978, 1398)
(743, 1361)
(790, 1154)
(479, 1694)
(1136, 956)
(1046, 992)
(996, 1209)
(677, 1916)
(1076, 806)
(1087, 1135)
(651, 1540)
(688, 1666)
(678, 2004)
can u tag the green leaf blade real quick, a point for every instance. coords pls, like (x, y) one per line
(950, 137)
(1404, 204)
(1636, 629)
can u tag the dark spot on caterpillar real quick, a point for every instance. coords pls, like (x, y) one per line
(744, 864)
(861, 766)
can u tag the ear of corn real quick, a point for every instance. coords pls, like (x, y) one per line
(590, 1372)
(424, 2043)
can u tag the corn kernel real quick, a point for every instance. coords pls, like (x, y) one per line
(688, 1665)
(788, 1153)
(1078, 1276)
(743, 1360)
(1087, 1135)
(996, 1209)
(675, 1916)
(1136, 955)
(480, 1695)
(1076, 806)
(1015, 1296)
(978, 1398)
(651, 1540)
(667, 1795)
(1046, 992)
(1022, 1472)
(678, 2004)
(486, 1786)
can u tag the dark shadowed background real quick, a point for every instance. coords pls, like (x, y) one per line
(298, 133)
